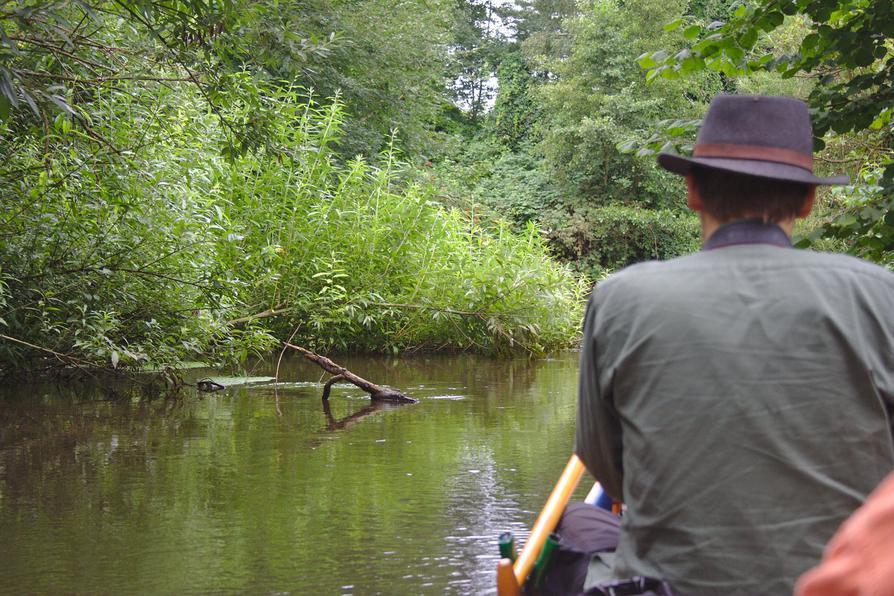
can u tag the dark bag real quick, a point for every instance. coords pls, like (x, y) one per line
(638, 586)
(584, 531)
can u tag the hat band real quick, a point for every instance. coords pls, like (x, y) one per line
(758, 152)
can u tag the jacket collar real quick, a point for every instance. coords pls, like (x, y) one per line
(747, 231)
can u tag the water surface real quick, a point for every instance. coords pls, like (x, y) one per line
(258, 490)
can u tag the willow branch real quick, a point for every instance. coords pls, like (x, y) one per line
(48, 46)
(95, 80)
(66, 358)
(270, 312)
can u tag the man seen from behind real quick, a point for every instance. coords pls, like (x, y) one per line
(738, 400)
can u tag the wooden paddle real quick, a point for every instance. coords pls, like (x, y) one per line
(511, 577)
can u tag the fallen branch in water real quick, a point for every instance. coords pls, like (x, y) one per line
(376, 392)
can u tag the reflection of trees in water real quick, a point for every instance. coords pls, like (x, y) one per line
(174, 476)
(57, 432)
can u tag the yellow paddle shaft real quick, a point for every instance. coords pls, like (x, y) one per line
(549, 517)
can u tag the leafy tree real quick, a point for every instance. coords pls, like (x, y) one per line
(542, 27)
(597, 102)
(515, 113)
(390, 76)
(600, 240)
(56, 56)
(548, 152)
(478, 36)
(384, 59)
(847, 51)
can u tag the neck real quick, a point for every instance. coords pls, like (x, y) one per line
(710, 224)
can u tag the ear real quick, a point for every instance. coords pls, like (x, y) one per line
(807, 207)
(693, 199)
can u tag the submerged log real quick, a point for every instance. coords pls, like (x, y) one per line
(340, 373)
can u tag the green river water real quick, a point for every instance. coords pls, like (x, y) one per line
(253, 490)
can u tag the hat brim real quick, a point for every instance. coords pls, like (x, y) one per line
(763, 169)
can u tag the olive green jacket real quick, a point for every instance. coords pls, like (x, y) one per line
(738, 401)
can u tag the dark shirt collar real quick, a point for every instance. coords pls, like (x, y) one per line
(747, 231)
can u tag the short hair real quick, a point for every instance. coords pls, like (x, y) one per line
(730, 195)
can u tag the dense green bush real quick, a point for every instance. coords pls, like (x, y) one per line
(604, 239)
(516, 185)
(502, 183)
(108, 256)
(168, 248)
(354, 260)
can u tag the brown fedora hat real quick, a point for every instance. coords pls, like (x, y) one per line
(769, 137)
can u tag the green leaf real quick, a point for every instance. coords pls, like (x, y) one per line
(692, 32)
(729, 69)
(771, 20)
(748, 39)
(670, 73)
(673, 25)
(706, 48)
(646, 61)
(735, 54)
(846, 220)
(810, 42)
(692, 64)
(31, 103)
(864, 56)
(62, 103)
(5, 105)
(776, 17)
